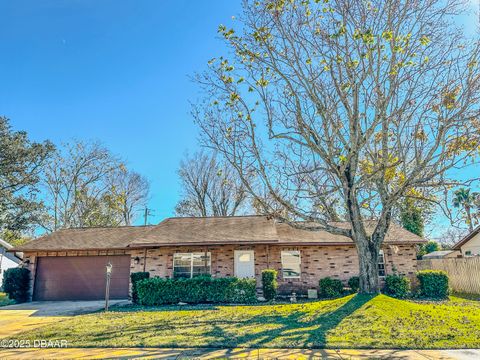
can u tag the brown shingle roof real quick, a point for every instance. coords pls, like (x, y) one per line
(211, 230)
(86, 238)
(198, 231)
(288, 234)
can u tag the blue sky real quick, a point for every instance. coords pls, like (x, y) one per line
(114, 71)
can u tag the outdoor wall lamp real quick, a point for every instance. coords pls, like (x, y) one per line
(136, 261)
(109, 268)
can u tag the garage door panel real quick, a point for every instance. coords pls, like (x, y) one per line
(84, 275)
(80, 278)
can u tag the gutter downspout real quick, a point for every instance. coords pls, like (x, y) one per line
(144, 259)
(206, 260)
(268, 256)
(1, 259)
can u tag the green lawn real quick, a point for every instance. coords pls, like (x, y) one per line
(349, 322)
(4, 300)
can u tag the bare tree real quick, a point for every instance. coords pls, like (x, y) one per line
(86, 185)
(129, 192)
(366, 102)
(210, 188)
(450, 237)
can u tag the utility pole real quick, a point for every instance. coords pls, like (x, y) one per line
(146, 213)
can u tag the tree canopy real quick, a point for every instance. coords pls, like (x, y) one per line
(469, 202)
(21, 162)
(367, 103)
(85, 185)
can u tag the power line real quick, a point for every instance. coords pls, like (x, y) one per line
(146, 213)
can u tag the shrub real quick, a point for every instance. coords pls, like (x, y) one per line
(135, 278)
(16, 283)
(269, 284)
(433, 284)
(330, 288)
(354, 283)
(397, 286)
(201, 289)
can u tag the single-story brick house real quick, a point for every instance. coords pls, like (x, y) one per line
(70, 264)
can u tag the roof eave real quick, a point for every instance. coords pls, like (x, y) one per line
(467, 238)
(202, 243)
(70, 249)
(270, 242)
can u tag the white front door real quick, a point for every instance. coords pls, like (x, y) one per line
(244, 264)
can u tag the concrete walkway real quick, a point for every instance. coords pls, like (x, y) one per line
(61, 308)
(155, 353)
(28, 316)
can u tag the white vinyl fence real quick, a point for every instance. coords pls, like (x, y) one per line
(463, 273)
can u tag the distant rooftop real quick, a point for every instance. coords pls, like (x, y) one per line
(437, 254)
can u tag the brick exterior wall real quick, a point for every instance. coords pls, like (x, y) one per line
(339, 262)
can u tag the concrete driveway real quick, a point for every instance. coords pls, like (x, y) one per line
(27, 316)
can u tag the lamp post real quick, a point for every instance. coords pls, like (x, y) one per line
(107, 286)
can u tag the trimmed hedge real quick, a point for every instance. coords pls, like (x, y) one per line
(354, 283)
(201, 289)
(433, 284)
(135, 278)
(330, 288)
(269, 284)
(397, 286)
(16, 283)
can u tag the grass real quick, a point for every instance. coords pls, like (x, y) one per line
(349, 322)
(4, 300)
(467, 296)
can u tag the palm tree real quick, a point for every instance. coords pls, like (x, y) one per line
(463, 198)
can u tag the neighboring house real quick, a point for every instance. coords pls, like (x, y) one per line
(442, 254)
(70, 264)
(470, 244)
(8, 260)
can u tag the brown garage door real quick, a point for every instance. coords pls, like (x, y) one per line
(80, 278)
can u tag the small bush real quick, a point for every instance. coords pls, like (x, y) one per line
(397, 286)
(135, 278)
(269, 284)
(330, 288)
(354, 283)
(16, 283)
(433, 284)
(201, 289)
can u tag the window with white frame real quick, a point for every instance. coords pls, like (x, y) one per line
(188, 265)
(291, 264)
(381, 263)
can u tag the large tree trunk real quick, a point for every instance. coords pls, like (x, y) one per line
(368, 263)
(367, 246)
